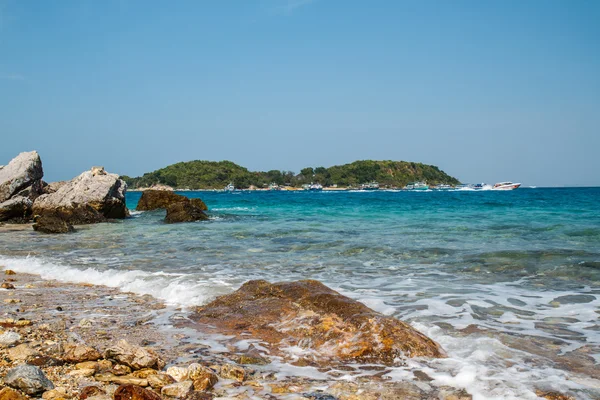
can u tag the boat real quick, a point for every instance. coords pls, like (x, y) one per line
(274, 186)
(442, 186)
(482, 186)
(315, 187)
(369, 186)
(506, 186)
(229, 188)
(417, 186)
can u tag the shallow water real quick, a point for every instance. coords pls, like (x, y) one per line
(507, 282)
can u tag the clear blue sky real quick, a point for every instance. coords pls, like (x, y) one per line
(487, 90)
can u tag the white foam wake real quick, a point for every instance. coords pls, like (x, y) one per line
(174, 289)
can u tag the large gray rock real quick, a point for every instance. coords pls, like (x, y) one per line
(94, 196)
(21, 172)
(29, 379)
(17, 209)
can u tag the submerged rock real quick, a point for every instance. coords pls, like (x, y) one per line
(310, 315)
(22, 172)
(89, 198)
(184, 212)
(29, 379)
(155, 199)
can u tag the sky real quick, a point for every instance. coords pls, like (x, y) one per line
(486, 90)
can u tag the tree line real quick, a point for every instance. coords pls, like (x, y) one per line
(199, 174)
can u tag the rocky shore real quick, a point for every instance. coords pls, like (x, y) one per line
(84, 341)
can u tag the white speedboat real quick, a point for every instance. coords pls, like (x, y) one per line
(229, 188)
(506, 186)
(315, 187)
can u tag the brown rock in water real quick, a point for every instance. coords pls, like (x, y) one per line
(184, 212)
(179, 390)
(9, 272)
(132, 392)
(155, 199)
(6, 285)
(52, 224)
(230, 371)
(311, 315)
(78, 353)
(11, 394)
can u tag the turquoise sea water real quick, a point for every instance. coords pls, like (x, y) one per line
(507, 282)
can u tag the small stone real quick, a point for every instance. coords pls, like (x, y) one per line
(104, 365)
(132, 392)
(22, 352)
(54, 394)
(84, 372)
(120, 370)
(45, 361)
(29, 379)
(178, 373)
(157, 381)
(23, 322)
(179, 390)
(134, 356)
(9, 338)
(144, 373)
(12, 301)
(11, 394)
(6, 285)
(230, 371)
(76, 353)
(204, 378)
(200, 396)
(9, 272)
(90, 391)
(59, 308)
(88, 365)
(86, 323)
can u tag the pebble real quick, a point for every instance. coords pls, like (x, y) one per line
(7, 285)
(9, 338)
(179, 390)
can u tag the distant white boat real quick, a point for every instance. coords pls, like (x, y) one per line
(442, 186)
(417, 186)
(315, 187)
(369, 186)
(229, 188)
(506, 186)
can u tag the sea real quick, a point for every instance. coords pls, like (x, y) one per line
(508, 282)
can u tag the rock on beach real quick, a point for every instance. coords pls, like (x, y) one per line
(23, 171)
(94, 196)
(311, 315)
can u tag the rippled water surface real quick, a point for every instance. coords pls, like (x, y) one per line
(507, 282)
